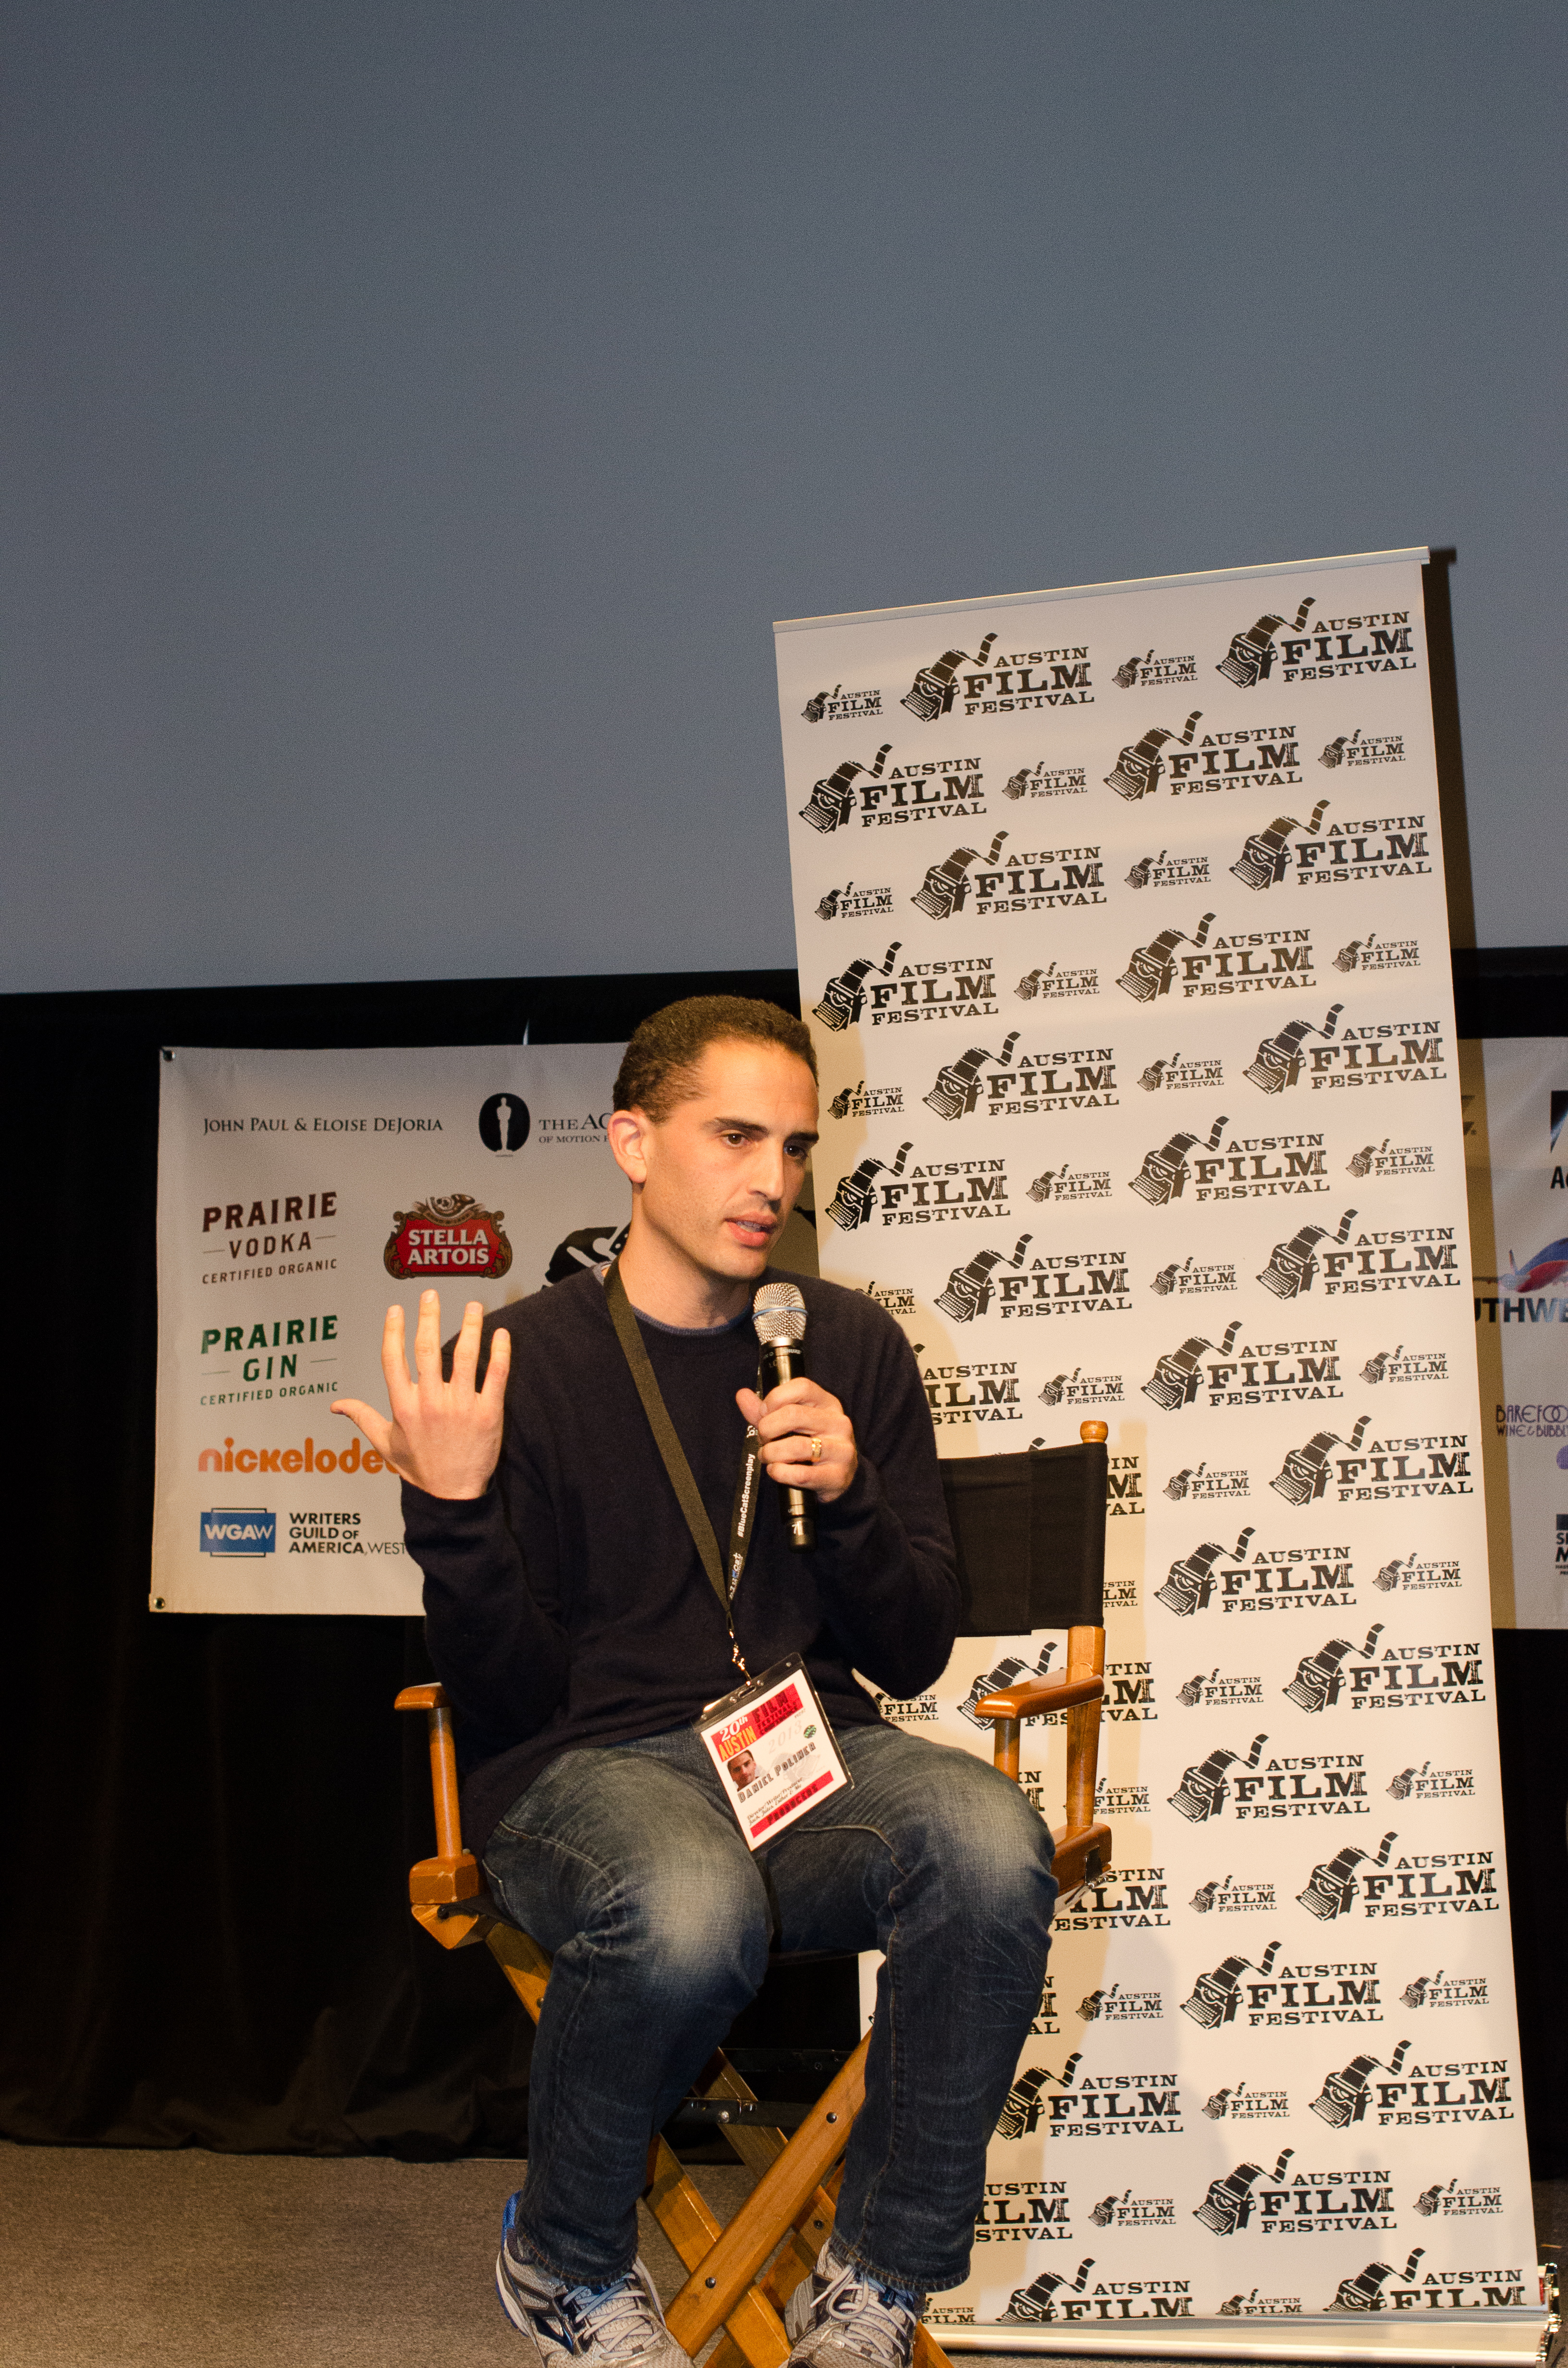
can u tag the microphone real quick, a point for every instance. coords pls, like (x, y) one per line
(778, 1312)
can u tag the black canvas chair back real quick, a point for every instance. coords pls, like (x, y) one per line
(1029, 1534)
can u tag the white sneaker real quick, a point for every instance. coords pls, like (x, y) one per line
(620, 2323)
(839, 2317)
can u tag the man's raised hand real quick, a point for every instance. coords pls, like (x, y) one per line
(444, 1436)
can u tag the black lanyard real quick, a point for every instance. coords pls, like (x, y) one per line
(742, 1512)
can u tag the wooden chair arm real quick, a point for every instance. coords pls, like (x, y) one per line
(422, 1698)
(1082, 1854)
(1040, 1696)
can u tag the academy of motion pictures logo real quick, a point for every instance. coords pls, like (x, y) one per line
(933, 789)
(1027, 879)
(1082, 1078)
(1004, 685)
(964, 986)
(1273, 1579)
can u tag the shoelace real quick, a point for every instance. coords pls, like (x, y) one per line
(617, 2319)
(873, 2319)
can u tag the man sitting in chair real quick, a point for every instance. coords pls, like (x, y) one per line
(576, 1630)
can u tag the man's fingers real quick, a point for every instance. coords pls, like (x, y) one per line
(428, 1339)
(750, 1405)
(465, 1348)
(376, 1426)
(495, 1391)
(394, 1359)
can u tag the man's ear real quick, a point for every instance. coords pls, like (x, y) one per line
(629, 1131)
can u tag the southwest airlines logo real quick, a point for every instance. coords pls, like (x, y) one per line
(239, 1529)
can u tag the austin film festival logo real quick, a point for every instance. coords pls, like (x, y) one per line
(1360, 748)
(1205, 1786)
(1429, 1783)
(1383, 1053)
(1070, 1184)
(1241, 2103)
(1036, 880)
(969, 1289)
(1139, 769)
(1370, 848)
(854, 904)
(1229, 2204)
(1268, 756)
(1223, 1895)
(1164, 1175)
(1052, 2296)
(1009, 680)
(1208, 1485)
(1293, 1264)
(831, 805)
(1375, 954)
(1337, 646)
(1265, 857)
(1117, 2005)
(1023, 2211)
(1080, 1389)
(1320, 1677)
(1178, 1376)
(841, 706)
(1410, 1574)
(1250, 658)
(1384, 1159)
(1168, 870)
(946, 888)
(1121, 2104)
(1188, 1279)
(963, 987)
(1440, 1989)
(1219, 1690)
(1296, 1996)
(1080, 1079)
(1041, 779)
(1249, 962)
(943, 1191)
(1276, 1578)
(1151, 672)
(861, 1100)
(1057, 981)
(1399, 1364)
(1152, 968)
(1217, 1994)
(1175, 1075)
(1057, 1282)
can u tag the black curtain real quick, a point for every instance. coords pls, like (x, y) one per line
(206, 1938)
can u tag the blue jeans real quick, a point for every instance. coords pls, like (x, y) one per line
(625, 1862)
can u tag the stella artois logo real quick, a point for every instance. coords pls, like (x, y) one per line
(447, 1234)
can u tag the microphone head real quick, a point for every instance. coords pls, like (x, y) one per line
(779, 1312)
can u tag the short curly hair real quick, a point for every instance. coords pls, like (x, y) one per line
(657, 1070)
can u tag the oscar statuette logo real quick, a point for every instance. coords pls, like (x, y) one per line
(1250, 659)
(1137, 771)
(447, 1234)
(832, 803)
(1265, 859)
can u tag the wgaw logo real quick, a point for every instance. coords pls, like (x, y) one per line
(1137, 771)
(1250, 659)
(239, 1529)
(832, 803)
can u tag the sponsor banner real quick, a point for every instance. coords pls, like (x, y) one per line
(298, 1194)
(1123, 932)
(1516, 1141)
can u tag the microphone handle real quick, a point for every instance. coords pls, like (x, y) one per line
(781, 1361)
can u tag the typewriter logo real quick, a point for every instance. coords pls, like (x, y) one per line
(843, 997)
(1007, 1672)
(1277, 1062)
(1342, 2100)
(1026, 2102)
(1033, 2305)
(957, 1089)
(1333, 1887)
(1177, 1377)
(1215, 1995)
(1205, 1787)
(935, 686)
(1168, 870)
(854, 1196)
(1319, 1680)
(840, 706)
(1304, 1474)
(1364, 2291)
(1291, 1265)
(946, 891)
(1143, 673)
(1265, 859)
(1227, 2208)
(1056, 983)
(1250, 659)
(1164, 1172)
(1190, 1583)
(852, 904)
(831, 805)
(1151, 968)
(969, 1289)
(1138, 770)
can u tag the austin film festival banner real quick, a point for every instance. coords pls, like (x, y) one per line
(299, 1194)
(1517, 1143)
(1123, 935)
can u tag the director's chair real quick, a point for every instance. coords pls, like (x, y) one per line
(1029, 1534)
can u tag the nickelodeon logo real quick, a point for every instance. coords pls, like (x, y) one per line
(354, 1457)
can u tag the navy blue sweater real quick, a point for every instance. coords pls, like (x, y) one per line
(568, 1605)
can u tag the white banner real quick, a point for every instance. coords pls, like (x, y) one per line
(1516, 1145)
(1121, 925)
(298, 1194)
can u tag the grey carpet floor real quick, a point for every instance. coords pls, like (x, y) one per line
(121, 2259)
